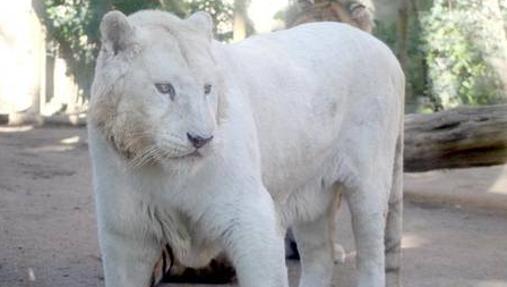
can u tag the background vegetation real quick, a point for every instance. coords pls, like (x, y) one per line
(455, 52)
(454, 49)
(73, 26)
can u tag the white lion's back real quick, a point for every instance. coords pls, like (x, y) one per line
(305, 84)
(325, 43)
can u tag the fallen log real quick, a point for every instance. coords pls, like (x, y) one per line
(458, 138)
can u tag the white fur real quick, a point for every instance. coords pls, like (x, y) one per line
(297, 117)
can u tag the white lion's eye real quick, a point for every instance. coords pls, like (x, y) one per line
(166, 89)
(207, 89)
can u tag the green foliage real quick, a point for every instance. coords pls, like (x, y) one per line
(221, 12)
(415, 69)
(452, 46)
(131, 6)
(73, 27)
(459, 44)
(67, 22)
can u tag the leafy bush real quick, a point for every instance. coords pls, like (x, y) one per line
(416, 69)
(459, 43)
(68, 23)
(73, 27)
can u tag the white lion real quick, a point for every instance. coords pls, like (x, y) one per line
(210, 147)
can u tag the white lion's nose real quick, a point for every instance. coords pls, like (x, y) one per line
(198, 141)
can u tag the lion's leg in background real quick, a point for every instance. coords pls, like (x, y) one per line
(339, 253)
(368, 207)
(253, 239)
(394, 231)
(316, 250)
(128, 261)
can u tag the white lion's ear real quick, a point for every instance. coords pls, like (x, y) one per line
(202, 21)
(116, 31)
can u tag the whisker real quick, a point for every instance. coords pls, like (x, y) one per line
(149, 156)
(142, 158)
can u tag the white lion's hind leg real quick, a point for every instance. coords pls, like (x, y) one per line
(316, 249)
(394, 221)
(368, 209)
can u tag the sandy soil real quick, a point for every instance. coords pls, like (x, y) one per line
(48, 235)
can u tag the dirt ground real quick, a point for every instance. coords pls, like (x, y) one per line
(48, 236)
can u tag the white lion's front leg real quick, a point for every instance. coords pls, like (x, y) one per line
(128, 261)
(254, 241)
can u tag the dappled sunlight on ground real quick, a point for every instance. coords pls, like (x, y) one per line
(65, 144)
(50, 148)
(15, 129)
(70, 140)
(412, 241)
(500, 184)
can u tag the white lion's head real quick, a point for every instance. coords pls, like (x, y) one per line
(157, 90)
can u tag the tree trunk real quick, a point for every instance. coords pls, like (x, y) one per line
(495, 24)
(240, 20)
(458, 138)
(403, 42)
